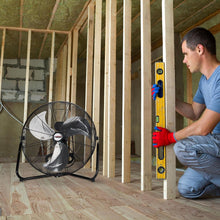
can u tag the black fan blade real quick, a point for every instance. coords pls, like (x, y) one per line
(73, 126)
(59, 158)
(39, 127)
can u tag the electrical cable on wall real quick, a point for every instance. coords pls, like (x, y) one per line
(3, 107)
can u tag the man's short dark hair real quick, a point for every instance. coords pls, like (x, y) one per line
(202, 36)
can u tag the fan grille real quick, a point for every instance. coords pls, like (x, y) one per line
(75, 149)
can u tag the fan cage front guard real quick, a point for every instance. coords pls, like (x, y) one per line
(63, 173)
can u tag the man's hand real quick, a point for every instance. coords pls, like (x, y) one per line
(162, 137)
(154, 91)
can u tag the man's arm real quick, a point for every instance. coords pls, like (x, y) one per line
(203, 126)
(192, 111)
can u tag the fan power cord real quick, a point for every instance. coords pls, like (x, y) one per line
(3, 107)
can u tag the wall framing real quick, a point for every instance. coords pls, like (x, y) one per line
(97, 73)
(126, 91)
(146, 99)
(67, 74)
(169, 185)
(2, 58)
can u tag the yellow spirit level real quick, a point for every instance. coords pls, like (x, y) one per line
(160, 119)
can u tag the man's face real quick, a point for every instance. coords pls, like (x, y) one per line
(191, 58)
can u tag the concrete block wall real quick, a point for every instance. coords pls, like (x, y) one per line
(13, 81)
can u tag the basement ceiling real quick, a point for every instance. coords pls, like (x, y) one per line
(61, 15)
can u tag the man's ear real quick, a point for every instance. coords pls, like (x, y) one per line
(200, 49)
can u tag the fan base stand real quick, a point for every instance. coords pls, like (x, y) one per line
(56, 174)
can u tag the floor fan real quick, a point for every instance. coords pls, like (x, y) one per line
(58, 139)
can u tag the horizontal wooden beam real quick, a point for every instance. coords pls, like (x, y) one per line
(34, 30)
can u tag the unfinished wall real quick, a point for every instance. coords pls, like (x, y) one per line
(13, 87)
(10, 130)
(13, 81)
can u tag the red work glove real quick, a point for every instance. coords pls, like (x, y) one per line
(162, 137)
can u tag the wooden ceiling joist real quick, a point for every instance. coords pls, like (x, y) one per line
(193, 15)
(181, 3)
(83, 16)
(201, 22)
(48, 26)
(103, 29)
(158, 43)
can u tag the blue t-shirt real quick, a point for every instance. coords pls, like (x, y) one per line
(208, 93)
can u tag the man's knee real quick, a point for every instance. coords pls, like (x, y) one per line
(192, 184)
(187, 191)
(183, 189)
(190, 192)
(187, 186)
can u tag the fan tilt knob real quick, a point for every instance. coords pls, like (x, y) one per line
(58, 136)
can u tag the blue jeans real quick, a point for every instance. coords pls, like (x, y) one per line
(201, 154)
